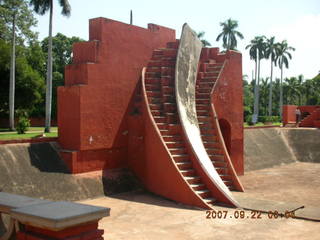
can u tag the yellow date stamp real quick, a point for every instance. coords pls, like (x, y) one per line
(241, 214)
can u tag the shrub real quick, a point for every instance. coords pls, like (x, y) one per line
(23, 125)
(249, 120)
(262, 119)
(23, 122)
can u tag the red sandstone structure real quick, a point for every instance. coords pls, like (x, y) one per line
(310, 115)
(118, 109)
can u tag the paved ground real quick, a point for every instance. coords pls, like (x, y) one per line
(145, 216)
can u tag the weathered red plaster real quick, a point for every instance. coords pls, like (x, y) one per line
(228, 102)
(99, 86)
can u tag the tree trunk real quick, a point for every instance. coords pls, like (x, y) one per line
(270, 90)
(256, 96)
(131, 18)
(256, 90)
(12, 75)
(49, 75)
(281, 93)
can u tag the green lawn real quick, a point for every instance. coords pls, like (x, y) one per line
(32, 132)
(261, 124)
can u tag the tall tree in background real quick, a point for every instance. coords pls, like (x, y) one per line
(257, 52)
(41, 7)
(229, 34)
(283, 56)
(205, 43)
(271, 52)
(15, 14)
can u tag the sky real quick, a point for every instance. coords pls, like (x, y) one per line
(297, 21)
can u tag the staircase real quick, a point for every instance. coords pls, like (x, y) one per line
(311, 120)
(210, 134)
(160, 92)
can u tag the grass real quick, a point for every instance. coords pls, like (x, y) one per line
(32, 132)
(261, 124)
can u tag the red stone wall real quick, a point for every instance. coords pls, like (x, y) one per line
(228, 103)
(288, 114)
(99, 86)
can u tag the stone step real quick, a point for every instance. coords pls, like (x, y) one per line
(154, 100)
(188, 172)
(172, 138)
(205, 84)
(217, 164)
(167, 90)
(226, 177)
(203, 101)
(203, 107)
(209, 137)
(203, 113)
(153, 93)
(162, 126)
(184, 165)
(202, 96)
(181, 157)
(199, 186)
(214, 151)
(152, 81)
(204, 119)
(152, 75)
(193, 179)
(181, 150)
(222, 170)
(170, 107)
(174, 144)
(160, 119)
(205, 193)
(228, 183)
(169, 98)
(203, 90)
(210, 144)
(157, 113)
(167, 81)
(211, 74)
(153, 87)
(216, 157)
(209, 200)
(155, 106)
(153, 69)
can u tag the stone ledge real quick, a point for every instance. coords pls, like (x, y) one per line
(58, 215)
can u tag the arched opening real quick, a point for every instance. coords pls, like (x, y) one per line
(226, 133)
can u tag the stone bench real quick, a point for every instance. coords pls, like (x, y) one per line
(42, 219)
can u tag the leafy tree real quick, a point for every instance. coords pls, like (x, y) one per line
(29, 83)
(61, 50)
(14, 14)
(247, 98)
(24, 21)
(257, 52)
(61, 56)
(229, 34)
(41, 7)
(283, 56)
(205, 43)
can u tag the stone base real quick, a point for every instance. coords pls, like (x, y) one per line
(83, 232)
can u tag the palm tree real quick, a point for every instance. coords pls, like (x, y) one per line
(12, 67)
(257, 52)
(205, 43)
(271, 52)
(282, 58)
(41, 7)
(229, 34)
